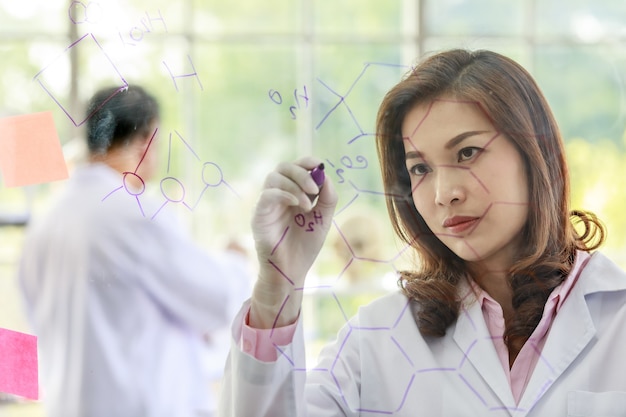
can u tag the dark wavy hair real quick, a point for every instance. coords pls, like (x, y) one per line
(518, 109)
(115, 115)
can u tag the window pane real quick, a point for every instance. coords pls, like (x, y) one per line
(21, 63)
(36, 16)
(358, 17)
(247, 16)
(476, 17)
(587, 20)
(584, 85)
(32, 74)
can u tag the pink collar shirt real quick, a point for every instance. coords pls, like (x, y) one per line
(519, 374)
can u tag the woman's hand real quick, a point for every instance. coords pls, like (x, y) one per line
(289, 233)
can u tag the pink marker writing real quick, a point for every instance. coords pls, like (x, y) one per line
(318, 176)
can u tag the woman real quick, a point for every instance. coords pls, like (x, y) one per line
(507, 314)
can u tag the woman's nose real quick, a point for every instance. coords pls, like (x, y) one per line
(449, 186)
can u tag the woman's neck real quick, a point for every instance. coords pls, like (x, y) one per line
(497, 285)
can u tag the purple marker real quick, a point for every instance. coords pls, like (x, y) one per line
(318, 176)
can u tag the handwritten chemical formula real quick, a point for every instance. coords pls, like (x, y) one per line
(301, 98)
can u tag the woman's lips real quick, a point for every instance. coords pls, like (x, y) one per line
(459, 224)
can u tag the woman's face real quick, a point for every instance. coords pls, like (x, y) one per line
(468, 181)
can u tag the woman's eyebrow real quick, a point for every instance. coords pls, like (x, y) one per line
(461, 137)
(415, 154)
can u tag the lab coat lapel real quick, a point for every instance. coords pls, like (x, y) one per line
(473, 338)
(571, 332)
(572, 328)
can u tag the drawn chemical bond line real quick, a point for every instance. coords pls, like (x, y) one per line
(86, 41)
(206, 167)
(355, 257)
(342, 98)
(125, 184)
(167, 181)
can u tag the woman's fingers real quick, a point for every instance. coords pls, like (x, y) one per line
(295, 179)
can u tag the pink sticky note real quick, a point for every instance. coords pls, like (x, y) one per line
(18, 364)
(30, 150)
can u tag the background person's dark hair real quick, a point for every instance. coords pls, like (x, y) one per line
(118, 116)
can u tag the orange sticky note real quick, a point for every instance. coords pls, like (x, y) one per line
(30, 150)
(18, 364)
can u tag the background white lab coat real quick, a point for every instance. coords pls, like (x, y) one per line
(120, 302)
(381, 365)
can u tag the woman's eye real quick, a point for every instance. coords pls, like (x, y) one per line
(419, 169)
(468, 153)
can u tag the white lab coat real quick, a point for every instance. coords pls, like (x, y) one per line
(381, 365)
(120, 303)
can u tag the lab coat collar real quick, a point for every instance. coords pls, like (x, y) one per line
(473, 338)
(573, 328)
(571, 332)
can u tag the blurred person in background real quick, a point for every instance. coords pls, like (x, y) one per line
(122, 304)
